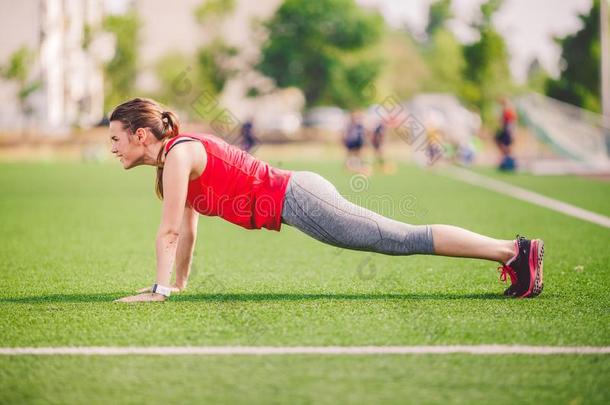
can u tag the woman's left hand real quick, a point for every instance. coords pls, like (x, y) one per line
(145, 297)
(174, 287)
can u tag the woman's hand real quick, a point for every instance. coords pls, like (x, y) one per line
(145, 297)
(175, 289)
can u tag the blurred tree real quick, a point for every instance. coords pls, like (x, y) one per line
(443, 53)
(487, 73)
(579, 82)
(18, 70)
(445, 58)
(207, 71)
(438, 14)
(18, 66)
(169, 69)
(488, 9)
(210, 10)
(325, 48)
(537, 77)
(404, 68)
(121, 71)
(214, 65)
(214, 59)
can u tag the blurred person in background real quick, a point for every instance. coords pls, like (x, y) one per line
(434, 137)
(504, 136)
(247, 138)
(378, 137)
(200, 174)
(353, 140)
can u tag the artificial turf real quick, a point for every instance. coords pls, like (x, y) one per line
(426, 379)
(77, 236)
(589, 193)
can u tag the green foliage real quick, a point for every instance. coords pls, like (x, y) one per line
(18, 66)
(213, 65)
(169, 69)
(478, 73)
(211, 9)
(183, 79)
(404, 67)
(488, 9)
(439, 13)
(445, 58)
(487, 73)
(579, 83)
(324, 48)
(121, 71)
(18, 70)
(537, 77)
(27, 89)
(88, 33)
(253, 92)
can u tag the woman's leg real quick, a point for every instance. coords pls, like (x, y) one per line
(314, 206)
(458, 242)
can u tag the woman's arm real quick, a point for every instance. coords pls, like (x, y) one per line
(186, 246)
(176, 173)
(184, 251)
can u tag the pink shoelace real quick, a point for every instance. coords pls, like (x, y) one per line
(507, 270)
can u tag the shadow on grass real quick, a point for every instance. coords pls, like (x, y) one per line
(253, 297)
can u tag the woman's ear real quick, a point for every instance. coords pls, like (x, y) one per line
(141, 135)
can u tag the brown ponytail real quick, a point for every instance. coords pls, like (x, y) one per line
(146, 113)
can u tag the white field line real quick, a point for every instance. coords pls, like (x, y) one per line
(529, 196)
(303, 350)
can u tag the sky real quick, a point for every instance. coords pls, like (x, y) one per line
(528, 26)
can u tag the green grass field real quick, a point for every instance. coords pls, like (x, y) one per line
(75, 237)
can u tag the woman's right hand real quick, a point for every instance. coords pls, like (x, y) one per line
(175, 289)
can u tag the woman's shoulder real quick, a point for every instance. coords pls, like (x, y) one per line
(182, 138)
(192, 154)
(186, 141)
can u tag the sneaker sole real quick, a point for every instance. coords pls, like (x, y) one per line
(536, 269)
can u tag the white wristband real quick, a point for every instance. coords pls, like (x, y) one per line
(160, 289)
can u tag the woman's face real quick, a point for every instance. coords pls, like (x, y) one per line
(123, 146)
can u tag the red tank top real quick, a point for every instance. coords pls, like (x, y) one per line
(236, 186)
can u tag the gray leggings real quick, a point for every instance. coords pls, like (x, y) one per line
(314, 206)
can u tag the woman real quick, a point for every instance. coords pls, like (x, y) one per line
(201, 174)
(378, 137)
(353, 140)
(504, 136)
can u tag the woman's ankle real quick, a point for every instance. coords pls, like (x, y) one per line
(507, 251)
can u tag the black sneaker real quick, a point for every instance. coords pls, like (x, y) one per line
(525, 270)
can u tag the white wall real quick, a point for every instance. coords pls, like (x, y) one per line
(71, 77)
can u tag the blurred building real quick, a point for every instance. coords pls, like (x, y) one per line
(68, 50)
